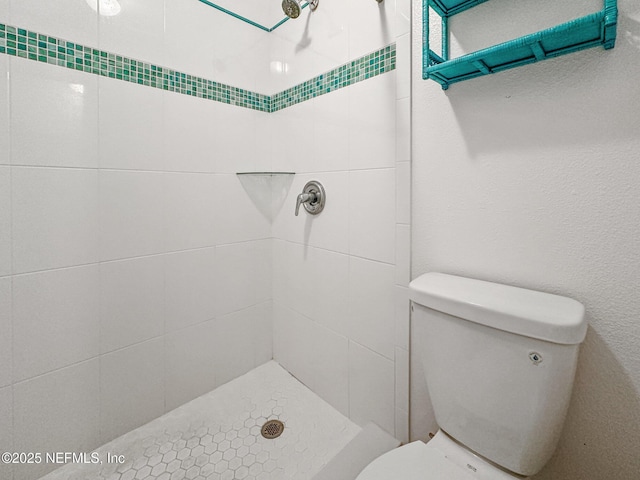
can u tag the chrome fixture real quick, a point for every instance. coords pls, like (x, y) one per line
(293, 8)
(312, 197)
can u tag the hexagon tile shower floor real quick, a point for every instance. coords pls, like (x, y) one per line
(218, 436)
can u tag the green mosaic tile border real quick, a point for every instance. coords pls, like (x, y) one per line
(376, 63)
(19, 42)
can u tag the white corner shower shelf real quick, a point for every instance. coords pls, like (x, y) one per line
(265, 174)
(586, 32)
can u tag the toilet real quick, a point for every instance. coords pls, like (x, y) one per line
(499, 364)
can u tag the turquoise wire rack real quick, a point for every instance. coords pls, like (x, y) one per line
(597, 29)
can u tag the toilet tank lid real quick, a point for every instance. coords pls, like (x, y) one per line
(517, 310)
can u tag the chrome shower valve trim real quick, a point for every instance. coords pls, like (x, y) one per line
(312, 197)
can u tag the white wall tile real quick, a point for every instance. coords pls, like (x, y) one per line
(402, 426)
(313, 282)
(5, 221)
(5, 10)
(68, 19)
(4, 105)
(190, 288)
(372, 214)
(290, 266)
(402, 379)
(293, 343)
(131, 126)
(263, 270)
(190, 363)
(190, 213)
(286, 225)
(243, 275)
(187, 125)
(294, 135)
(403, 130)
(403, 65)
(331, 357)
(137, 31)
(131, 301)
(55, 214)
(371, 388)
(276, 124)
(55, 319)
(263, 333)
(329, 289)
(403, 255)
(266, 138)
(372, 121)
(371, 25)
(57, 412)
(6, 427)
(131, 214)
(6, 348)
(329, 229)
(242, 222)
(330, 272)
(403, 17)
(189, 23)
(54, 115)
(371, 305)
(319, 41)
(132, 388)
(280, 188)
(192, 46)
(403, 192)
(257, 58)
(331, 132)
(234, 344)
(238, 66)
(225, 53)
(232, 137)
(402, 307)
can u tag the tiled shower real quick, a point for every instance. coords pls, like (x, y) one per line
(138, 271)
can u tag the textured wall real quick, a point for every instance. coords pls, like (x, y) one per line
(530, 177)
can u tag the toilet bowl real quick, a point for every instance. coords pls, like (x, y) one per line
(440, 459)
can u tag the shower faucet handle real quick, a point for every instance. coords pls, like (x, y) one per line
(304, 198)
(312, 197)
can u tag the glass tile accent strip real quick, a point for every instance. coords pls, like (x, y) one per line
(19, 42)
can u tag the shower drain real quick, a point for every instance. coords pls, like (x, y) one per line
(272, 429)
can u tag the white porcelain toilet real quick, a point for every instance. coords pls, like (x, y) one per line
(499, 363)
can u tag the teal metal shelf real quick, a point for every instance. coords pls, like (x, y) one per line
(597, 29)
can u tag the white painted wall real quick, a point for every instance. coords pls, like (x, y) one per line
(340, 299)
(135, 271)
(530, 177)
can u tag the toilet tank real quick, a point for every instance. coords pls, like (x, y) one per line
(499, 363)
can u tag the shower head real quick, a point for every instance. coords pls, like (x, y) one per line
(292, 8)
